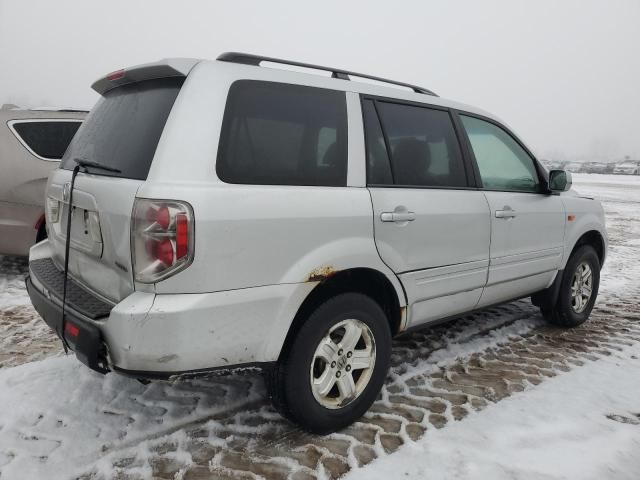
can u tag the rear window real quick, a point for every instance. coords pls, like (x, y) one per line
(280, 134)
(123, 129)
(47, 139)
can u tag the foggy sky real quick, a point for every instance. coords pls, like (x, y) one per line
(564, 74)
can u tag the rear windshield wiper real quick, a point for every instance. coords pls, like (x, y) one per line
(88, 163)
(80, 163)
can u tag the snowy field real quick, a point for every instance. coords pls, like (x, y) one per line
(582, 424)
(493, 395)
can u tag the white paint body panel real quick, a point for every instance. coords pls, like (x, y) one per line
(443, 252)
(589, 216)
(527, 249)
(176, 333)
(105, 267)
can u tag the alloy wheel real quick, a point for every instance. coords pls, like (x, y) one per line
(342, 364)
(581, 287)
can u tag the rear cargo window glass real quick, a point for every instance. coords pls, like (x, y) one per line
(46, 139)
(280, 134)
(123, 129)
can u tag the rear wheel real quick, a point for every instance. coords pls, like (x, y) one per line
(578, 289)
(333, 369)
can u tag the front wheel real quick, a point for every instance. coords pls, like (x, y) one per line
(578, 289)
(333, 369)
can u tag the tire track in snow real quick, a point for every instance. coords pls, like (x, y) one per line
(421, 393)
(223, 427)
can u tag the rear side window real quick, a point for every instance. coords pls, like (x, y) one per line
(280, 134)
(424, 148)
(47, 139)
(378, 166)
(123, 129)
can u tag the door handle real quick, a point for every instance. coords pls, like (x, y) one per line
(398, 216)
(506, 212)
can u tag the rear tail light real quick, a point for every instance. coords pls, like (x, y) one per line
(71, 330)
(93, 222)
(162, 237)
(117, 75)
(53, 210)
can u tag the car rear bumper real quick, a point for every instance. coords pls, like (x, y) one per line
(152, 335)
(81, 336)
(158, 336)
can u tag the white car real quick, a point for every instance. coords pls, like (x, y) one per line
(32, 142)
(627, 168)
(226, 214)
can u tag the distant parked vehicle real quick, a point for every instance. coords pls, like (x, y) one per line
(597, 167)
(32, 143)
(574, 167)
(552, 164)
(627, 168)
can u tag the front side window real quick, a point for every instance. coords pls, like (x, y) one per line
(46, 138)
(280, 134)
(424, 146)
(503, 163)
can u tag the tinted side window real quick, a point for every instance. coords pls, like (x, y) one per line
(424, 146)
(378, 167)
(279, 134)
(47, 139)
(503, 163)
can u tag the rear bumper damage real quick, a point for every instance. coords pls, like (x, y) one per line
(83, 337)
(160, 336)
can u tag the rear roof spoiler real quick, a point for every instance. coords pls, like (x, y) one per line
(167, 67)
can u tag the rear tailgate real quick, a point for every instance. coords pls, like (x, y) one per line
(122, 131)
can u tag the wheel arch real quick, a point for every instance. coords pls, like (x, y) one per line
(368, 281)
(593, 238)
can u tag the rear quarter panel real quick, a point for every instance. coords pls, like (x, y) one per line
(257, 235)
(248, 236)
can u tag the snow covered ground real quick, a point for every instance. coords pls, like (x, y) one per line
(12, 290)
(493, 395)
(23, 335)
(584, 424)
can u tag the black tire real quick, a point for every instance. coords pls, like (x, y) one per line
(563, 313)
(289, 381)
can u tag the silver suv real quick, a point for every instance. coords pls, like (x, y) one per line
(228, 214)
(32, 143)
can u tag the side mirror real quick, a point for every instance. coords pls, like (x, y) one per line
(560, 181)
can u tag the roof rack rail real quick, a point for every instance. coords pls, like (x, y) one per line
(249, 59)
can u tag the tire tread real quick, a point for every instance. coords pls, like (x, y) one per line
(560, 315)
(277, 377)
